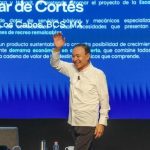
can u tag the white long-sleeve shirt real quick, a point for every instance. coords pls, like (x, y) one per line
(89, 100)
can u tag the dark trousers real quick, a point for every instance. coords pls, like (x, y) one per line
(83, 137)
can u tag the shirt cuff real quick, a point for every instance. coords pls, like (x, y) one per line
(103, 121)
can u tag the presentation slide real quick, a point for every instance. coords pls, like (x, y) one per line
(118, 33)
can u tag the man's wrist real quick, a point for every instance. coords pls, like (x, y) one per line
(56, 49)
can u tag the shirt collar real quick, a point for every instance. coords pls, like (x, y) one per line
(87, 68)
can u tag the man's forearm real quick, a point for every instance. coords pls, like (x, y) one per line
(54, 59)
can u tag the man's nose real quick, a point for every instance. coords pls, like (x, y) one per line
(74, 59)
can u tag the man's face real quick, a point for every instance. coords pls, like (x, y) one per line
(80, 58)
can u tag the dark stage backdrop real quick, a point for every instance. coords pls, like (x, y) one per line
(119, 135)
(117, 32)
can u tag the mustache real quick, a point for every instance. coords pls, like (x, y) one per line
(76, 62)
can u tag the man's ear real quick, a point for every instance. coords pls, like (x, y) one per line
(88, 56)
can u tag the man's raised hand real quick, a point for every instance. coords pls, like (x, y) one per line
(59, 40)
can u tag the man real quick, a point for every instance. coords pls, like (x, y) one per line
(89, 101)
